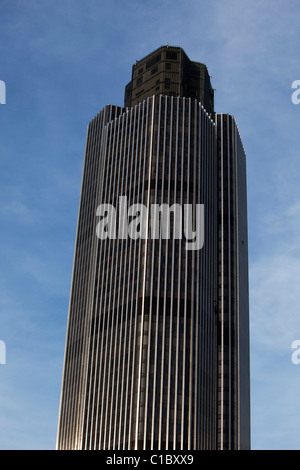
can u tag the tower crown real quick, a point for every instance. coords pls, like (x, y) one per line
(169, 71)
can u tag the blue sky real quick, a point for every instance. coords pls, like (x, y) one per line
(62, 61)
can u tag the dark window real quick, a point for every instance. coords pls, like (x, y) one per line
(167, 83)
(140, 92)
(168, 66)
(153, 71)
(139, 80)
(195, 72)
(153, 61)
(171, 55)
(157, 82)
(141, 70)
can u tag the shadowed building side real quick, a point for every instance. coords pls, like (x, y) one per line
(233, 338)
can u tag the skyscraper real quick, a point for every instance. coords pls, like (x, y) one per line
(157, 347)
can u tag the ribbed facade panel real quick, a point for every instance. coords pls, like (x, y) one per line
(77, 340)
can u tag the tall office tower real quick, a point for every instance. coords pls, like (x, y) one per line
(157, 339)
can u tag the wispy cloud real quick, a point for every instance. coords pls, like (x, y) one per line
(17, 209)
